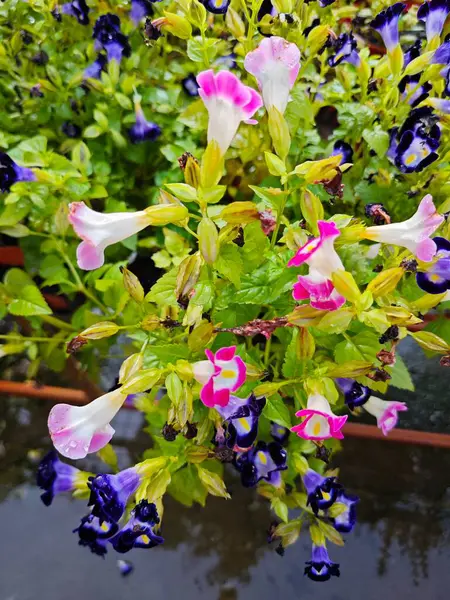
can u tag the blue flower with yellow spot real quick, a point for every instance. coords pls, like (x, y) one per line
(108, 37)
(94, 533)
(321, 491)
(242, 416)
(321, 567)
(110, 493)
(355, 394)
(263, 461)
(138, 532)
(436, 279)
(345, 48)
(344, 149)
(217, 7)
(346, 519)
(78, 9)
(412, 90)
(55, 477)
(386, 23)
(279, 433)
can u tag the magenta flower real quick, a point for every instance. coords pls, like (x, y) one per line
(80, 430)
(275, 64)
(319, 422)
(228, 102)
(385, 412)
(413, 234)
(323, 261)
(221, 374)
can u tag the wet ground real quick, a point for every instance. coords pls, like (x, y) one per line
(399, 549)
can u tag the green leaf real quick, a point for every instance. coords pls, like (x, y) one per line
(186, 487)
(255, 246)
(400, 375)
(213, 483)
(280, 509)
(229, 263)
(30, 302)
(377, 140)
(108, 455)
(158, 485)
(292, 365)
(163, 292)
(363, 346)
(277, 411)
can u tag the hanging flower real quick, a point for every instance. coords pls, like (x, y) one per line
(140, 9)
(95, 533)
(409, 88)
(345, 520)
(263, 461)
(319, 290)
(321, 491)
(434, 13)
(436, 279)
(221, 374)
(190, 85)
(56, 477)
(413, 146)
(319, 422)
(78, 9)
(217, 7)
(100, 230)
(110, 493)
(344, 149)
(228, 102)
(279, 433)
(11, 173)
(80, 430)
(355, 394)
(242, 416)
(321, 567)
(345, 48)
(138, 532)
(386, 23)
(143, 130)
(108, 37)
(94, 71)
(275, 64)
(413, 234)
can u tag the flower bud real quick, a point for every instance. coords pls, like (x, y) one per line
(150, 323)
(234, 23)
(431, 342)
(312, 209)
(279, 132)
(346, 285)
(240, 213)
(188, 274)
(396, 60)
(212, 165)
(174, 24)
(283, 6)
(166, 213)
(100, 330)
(191, 169)
(385, 282)
(317, 38)
(208, 238)
(417, 65)
(305, 316)
(130, 366)
(133, 285)
(200, 336)
(197, 14)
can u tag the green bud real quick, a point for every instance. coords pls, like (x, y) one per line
(163, 214)
(396, 60)
(279, 132)
(239, 213)
(174, 388)
(197, 14)
(234, 23)
(312, 209)
(208, 240)
(188, 274)
(190, 166)
(346, 285)
(150, 323)
(130, 366)
(431, 342)
(385, 282)
(133, 285)
(100, 330)
(212, 165)
(200, 336)
(174, 24)
(275, 165)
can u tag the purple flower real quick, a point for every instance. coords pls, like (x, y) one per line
(355, 394)
(410, 83)
(341, 147)
(110, 493)
(386, 23)
(346, 520)
(412, 52)
(320, 567)
(140, 9)
(263, 461)
(321, 491)
(95, 533)
(442, 55)
(242, 418)
(436, 279)
(108, 37)
(138, 532)
(55, 477)
(434, 13)
(323, 3)
(190, 85)
(71, 130)
(227, 62)
(99, 65)
(11, 173)
(267, 8)
(279, 433)
(217, 7)
(413, 146)
(78, 9)
(345, 48)
(143, 130)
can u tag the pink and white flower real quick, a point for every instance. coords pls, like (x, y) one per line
(385, 412)
(275, 64)
(221, 374)
(413, 234)
(319, 422)
(323, 261)
(100, 230)
(80, 430)
(228, 102)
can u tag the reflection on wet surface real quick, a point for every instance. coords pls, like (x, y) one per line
(400, 547)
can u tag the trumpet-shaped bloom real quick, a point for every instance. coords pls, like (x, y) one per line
(55, 477)
(108, 36)
(138, 532)
(319, 253)
(78, 9)
(345, 521)
(413, 234)
(355, 394)
(386, 23)
(440, 104)
(279, 433)
(345, 48)
(242, 416)
(321, 567)
(95, 533)
(11, 173)
(318, 420)
(410, 89)
(110, 493)
(140, 9)
(100, 230)
(221, 374)
(190, 85)
(413, 146)
(228, 102)
(319, 290)
(436, 279)
(94, 71)
(79, 430)
(217, 7)
(412, 52)
(143, 130)
(434, 13)
(321, 491)
(385, 412)
(344, 149)
(263, 461)
(275, 64)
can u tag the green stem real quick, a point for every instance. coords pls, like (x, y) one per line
(204, 49)
(57, 322)
(279, 217)
(21, 338)
(267, 351)
(80, 285)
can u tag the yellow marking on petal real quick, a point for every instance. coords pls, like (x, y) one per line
(104, 527)
(262, 458)
(228, 374)
(244, 424)
(310, 247)
(326, 495)
(425, 152)
(316, 429)
(145, 539)
(411, 158)
(435, 277)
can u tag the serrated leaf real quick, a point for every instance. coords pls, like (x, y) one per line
(229, 264)
(277, 411)
(213, 483)
(158, 485)
(280, 509)
(400, 375)
(31, 302)
(163, 292)
(330, 533)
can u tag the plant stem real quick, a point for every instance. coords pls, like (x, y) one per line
(279, 217)
(21, 338)
(267, 351)
(80, 285)
(56, 322)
